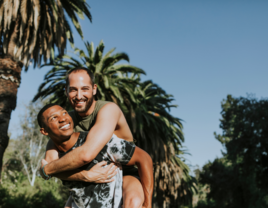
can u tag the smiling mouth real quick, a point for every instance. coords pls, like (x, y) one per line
(79, 102)
(67, 126)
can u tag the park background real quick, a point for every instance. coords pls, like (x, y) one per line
(198, 51)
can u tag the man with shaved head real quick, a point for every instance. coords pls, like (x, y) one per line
(56, 123)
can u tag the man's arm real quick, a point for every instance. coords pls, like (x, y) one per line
(145, 167)
(98, 136)
(97, 174)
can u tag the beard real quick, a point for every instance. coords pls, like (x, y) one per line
(82, 109)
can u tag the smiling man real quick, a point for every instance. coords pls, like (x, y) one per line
(102, 119)
(56, 123)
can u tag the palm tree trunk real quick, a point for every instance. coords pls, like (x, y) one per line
(10, 75)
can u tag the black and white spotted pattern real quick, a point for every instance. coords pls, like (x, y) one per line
(106, 195)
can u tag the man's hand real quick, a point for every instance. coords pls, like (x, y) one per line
(100, 174)
(43, 162)
(97, 174)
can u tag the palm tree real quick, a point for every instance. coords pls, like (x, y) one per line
(111, 78)
(30, 32)
(160, 134)
(146, 108)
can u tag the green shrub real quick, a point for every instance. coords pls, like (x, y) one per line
(17, 193)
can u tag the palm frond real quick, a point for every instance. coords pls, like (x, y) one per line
(31, 29)
(146, 107)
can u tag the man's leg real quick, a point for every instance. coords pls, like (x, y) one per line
(133, 196)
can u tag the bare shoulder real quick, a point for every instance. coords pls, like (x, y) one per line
(110, 109)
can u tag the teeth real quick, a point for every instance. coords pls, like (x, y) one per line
(65, 126)
(80, 102)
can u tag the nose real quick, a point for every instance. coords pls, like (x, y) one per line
(62, 119)
(79, 95)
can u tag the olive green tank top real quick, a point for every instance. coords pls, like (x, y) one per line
(86, 123)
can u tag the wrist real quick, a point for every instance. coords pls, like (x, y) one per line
(84, 176)
(47, 176)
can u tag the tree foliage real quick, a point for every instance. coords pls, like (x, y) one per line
(110, 77)
(32, 143)
(160, 134)
(22, 186)
(32, 30)
(146, 107)
(239, 178)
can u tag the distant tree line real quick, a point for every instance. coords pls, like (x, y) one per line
(239, 177)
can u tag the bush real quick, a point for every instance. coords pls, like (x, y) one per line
(44, 194)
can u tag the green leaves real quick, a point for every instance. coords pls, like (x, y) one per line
(145, 105)
(242, 171)
(112, 83)
(31, 30)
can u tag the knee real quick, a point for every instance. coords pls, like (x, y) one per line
(133, 202)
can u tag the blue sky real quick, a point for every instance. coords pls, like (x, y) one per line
(198, 51)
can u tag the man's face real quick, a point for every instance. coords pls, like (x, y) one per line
(58, 123)
(80, 92)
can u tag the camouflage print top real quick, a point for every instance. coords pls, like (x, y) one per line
(102, 195)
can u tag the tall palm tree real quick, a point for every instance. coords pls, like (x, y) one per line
(160, 134)
(146, 107)
(30, 32)
(111, 78)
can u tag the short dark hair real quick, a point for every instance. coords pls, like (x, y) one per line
(40, 114)
(77, 69)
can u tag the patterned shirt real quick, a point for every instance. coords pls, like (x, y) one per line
(102, 195)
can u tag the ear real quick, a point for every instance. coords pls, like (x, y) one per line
(43, 131)
(94, 89)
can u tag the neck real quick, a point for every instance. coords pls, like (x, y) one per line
(67, 144)
(90, 110)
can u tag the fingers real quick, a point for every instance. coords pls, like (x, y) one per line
(109, 168)
(112, 172)
(105, 180)
(109, 174)
(102, 163)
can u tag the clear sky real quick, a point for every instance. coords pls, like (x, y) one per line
(198, 51)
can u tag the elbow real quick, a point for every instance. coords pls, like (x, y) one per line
(85, 157)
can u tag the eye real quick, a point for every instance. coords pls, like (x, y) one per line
(72, 90)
